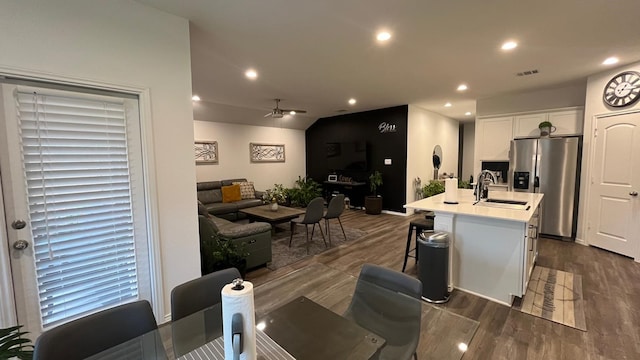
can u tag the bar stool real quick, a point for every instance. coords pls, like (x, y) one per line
(419, 225)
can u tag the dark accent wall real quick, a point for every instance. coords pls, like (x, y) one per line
(365, 126)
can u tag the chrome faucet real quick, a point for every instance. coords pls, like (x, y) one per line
(482, 184)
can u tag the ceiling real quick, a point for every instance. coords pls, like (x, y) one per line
(316, 54)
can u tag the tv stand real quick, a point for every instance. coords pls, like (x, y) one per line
(355, 191)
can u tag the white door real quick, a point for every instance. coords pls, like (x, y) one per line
(71, 179)
(614, 203)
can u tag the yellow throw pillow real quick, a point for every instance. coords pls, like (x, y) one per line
(231, 193)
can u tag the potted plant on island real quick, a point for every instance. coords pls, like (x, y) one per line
(546, 128)
(14, 345)
(373, 203)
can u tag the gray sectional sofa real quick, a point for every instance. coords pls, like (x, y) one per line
(210, 195)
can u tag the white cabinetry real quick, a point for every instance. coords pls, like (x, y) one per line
(531, 250)
(527, 125)
(566, 122)
(493, 137)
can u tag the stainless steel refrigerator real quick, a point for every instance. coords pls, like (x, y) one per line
(550, 166)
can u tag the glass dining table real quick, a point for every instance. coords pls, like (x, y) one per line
(298, 317)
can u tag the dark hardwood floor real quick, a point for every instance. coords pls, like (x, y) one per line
(611, 286)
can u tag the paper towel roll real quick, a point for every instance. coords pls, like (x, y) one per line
(451, 191)
(239, 301)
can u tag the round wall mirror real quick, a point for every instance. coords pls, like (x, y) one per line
(437, 160)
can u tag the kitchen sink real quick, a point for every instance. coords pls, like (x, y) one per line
(504, 204)
(511, 202)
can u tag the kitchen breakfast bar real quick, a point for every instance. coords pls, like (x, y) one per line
(493, 242)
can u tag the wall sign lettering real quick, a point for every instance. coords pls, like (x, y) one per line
(385, 127)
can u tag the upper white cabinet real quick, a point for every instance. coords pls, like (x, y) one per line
(567, 122)
(527, 125)
(493, 138)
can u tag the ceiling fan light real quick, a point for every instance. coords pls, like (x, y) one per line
(292, 112)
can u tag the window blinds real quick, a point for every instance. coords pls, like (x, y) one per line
(78, 188)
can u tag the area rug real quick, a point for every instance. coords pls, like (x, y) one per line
(554, 295)
(283, 255)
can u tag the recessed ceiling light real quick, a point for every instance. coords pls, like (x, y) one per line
(292, 112)
(462, 87)
(448, 104)
(195, 98)
(468, 113)
(352, 101)
(251, 74)
(383, 36)
(463, 347)
(610, 61)
(509, 45)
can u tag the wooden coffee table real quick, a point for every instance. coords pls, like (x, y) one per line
(265, 214)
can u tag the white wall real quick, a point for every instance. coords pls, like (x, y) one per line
(468, 138)
(123, 44)
(594, 106)
(425, 130)
(550, 98)
(233, 152)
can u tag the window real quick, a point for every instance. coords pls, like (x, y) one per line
(85, 192)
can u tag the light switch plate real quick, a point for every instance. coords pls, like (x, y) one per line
(387, 161)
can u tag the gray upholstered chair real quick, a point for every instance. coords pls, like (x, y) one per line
(193, 296)
(395, 318)
(334, 210)
(95, 333)
(313, 215)
(200, 293)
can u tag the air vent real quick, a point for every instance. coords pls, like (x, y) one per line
(527, 73)
(341, 110)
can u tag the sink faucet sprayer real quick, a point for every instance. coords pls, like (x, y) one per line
(484, 179)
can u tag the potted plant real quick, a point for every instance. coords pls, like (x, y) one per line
(434, 187)
(304, 190)
(223, 254)
(276, 195)
(12, 344)
(373, 203)
(546, 128)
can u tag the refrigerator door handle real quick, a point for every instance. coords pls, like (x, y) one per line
(536, 182)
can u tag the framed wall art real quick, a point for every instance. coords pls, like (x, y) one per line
(266, 152)
(206, 152)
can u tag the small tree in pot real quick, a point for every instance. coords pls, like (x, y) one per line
(14, 345)
(373, 204)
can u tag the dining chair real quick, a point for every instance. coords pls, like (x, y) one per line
(313, 215)
(334, 210)
(200, 293)
(395, 318)
(193, 296)
(92, 334)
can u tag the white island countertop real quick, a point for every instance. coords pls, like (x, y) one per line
(466, 206)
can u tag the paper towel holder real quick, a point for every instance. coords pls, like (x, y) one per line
(237, 284)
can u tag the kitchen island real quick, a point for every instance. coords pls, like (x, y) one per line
(493, 245)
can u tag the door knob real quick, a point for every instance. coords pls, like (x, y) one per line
(18, 224)
(633, 193)
(21, 244)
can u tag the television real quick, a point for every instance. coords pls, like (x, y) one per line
(347, 156)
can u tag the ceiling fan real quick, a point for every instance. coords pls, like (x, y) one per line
(278, 113)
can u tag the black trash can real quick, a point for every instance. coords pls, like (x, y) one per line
(433, 266)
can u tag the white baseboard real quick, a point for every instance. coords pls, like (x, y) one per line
(581, 242)
(167, 318)
(394, 213)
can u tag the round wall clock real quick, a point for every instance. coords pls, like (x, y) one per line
(623, 89)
